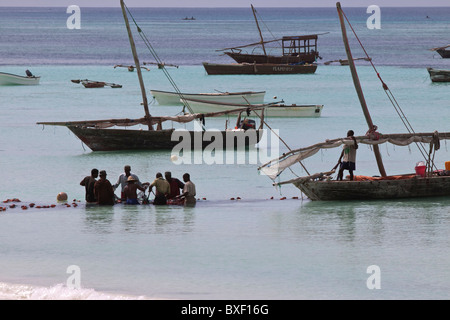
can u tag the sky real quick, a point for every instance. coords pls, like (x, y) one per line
(225, 3)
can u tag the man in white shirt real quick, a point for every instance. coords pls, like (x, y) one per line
(123, 181)
(189, 192)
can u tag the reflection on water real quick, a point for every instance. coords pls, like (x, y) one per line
(137, 219)
(377, 220)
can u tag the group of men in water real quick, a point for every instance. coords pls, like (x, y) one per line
(167, 191)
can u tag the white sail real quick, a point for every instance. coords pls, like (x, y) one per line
(275, 167)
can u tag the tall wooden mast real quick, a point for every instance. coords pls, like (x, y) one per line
(138, 67)
(357, 85)
(259, 30)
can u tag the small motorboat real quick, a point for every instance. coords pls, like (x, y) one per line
(9, 79)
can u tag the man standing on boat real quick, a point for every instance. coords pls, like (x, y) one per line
(348, 157)
(123, 181)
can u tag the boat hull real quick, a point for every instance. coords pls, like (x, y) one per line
(415, 187)
(123, 139)
(261, 58)
(444, 53)
(9, 79)
(278, 110)
(437, 75)
(244, 68)
(173, 98)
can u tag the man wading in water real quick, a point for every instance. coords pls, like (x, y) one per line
(88, 182)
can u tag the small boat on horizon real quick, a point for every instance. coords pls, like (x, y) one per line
(9, 79)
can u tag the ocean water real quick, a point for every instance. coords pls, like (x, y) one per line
(245, 239)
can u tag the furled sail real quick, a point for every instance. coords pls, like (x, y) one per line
(275, 167)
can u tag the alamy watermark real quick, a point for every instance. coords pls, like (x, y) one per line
(74, 280)
(374, 280)
(74, 21)
(234, 147)
(374, 21)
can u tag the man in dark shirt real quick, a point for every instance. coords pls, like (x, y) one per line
(175, 185)
(88, 182)
(103, 190)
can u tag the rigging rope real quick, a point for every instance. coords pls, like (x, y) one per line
(256, 12)
(390, 95)
(160, 63)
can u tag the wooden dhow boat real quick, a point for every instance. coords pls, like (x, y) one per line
(444, 51)
(439, 75)
(98, 135)
(258, 68)
(96, 84)
(321, 186)
(294, 49)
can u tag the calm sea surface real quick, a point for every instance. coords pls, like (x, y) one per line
(256, 247)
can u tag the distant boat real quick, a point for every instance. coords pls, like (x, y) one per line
(439, 75)
(270, 110)
(443, 52)
(255, 68)
(173, 98)
(96, 84)
(191, 18)
(344, 62)
(130, 68)
(9, 79)
(294, 49)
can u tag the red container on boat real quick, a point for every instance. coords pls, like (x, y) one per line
(420, 169)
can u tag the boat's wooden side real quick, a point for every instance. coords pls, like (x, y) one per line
(261, 58)
(123, 139)
(13, 79)
(267, 68)
(438, 75)
(173, 98)
(444, 53)
(415, 187)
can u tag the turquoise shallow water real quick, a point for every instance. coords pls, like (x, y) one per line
(257, 247)
(252, 248)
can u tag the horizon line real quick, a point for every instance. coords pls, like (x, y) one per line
(228, 7)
